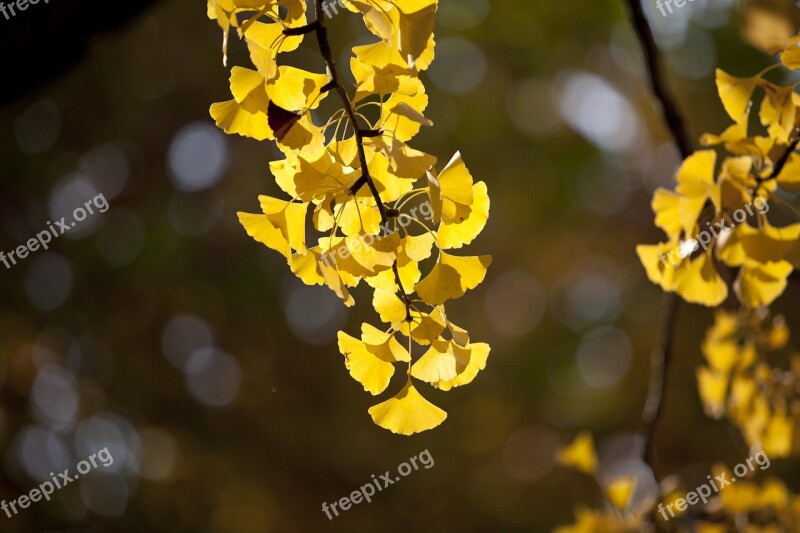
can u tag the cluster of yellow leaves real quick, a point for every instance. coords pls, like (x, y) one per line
(741, 506)
(716, 217)
(764, 401)
(364, 192)
(722, 245)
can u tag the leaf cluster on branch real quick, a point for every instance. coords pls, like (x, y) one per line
(363, 186)
(733, 239)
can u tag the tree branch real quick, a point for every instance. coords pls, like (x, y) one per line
(669, 107)
(780, 163)
(321, 31)
(660, 357)
(661, 354)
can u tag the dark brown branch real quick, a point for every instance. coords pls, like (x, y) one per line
(371, 133)
(659, 86)
(661, 355)
(660, 358)
(302, 30)
(325, 48)
(336, 83)
(776, 171)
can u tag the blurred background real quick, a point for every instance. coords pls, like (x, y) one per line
(161, 330)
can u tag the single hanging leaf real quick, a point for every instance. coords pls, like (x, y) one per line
(407, 413)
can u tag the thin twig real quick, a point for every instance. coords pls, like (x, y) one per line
(661, 355)
(660, 358)
(780, 163)
(669, 107)
(321, 31)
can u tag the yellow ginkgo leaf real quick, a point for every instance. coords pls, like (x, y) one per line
(414, 30)
(300, 135)
(333, 279)
(451, 277)
(380, 69)
(246, 114)
(409, 272)
(666, 206)
(400, 113)
(699, 281)
(404, 110)
(358, 213)
(289, 217)
(390, 187)
(373, 254)
(766, 29)
(404, 161)
(406, 25)
(426, 327)
(376, 16)
(407, 413)
(389, 306)
(774, 494)
(264, 41)
(791, 56)
(778, 111)
(417, 247)
(456, 234)
(735, 93)
(371, 371)
(473, 358)
(304, 266)
(779, 436)
(732, 135)
(460, 335)
(224, 12)
(315, 179)
(660, 261)
(281, 227)
(386, 281)
(712, 386)
(296, 89)
(579, 454)
(383, 344)
(451, 192)
(619, 491)
(760, 284)
(695, 186)
(777, 334)
(439, 363)
(722, 355)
